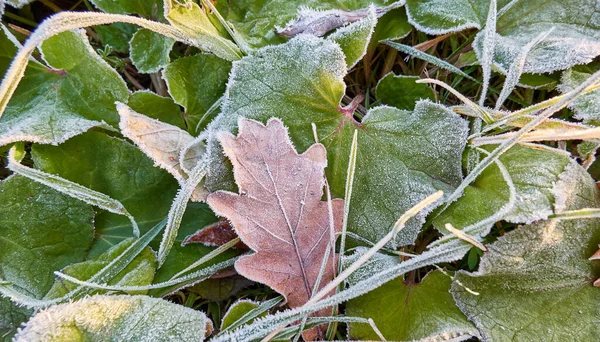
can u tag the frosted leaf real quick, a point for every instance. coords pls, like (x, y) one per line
(151, 9)
(574, 40)
(118, 169)
(534, 173)
(52, 105)
(157, 107)
(238, 310)
(535, 283)
(198, 98)
(149, 51)
(405, 311)
(11, 316)
(257, 21)
(586, 106)
(116, 318)
(401, 91)
(301, 82)
(41, 231)
(18, 3)
(354, 38)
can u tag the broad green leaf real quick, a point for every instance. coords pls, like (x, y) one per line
(237, 310)
(11, 317)
(7, 49)
(397, 169)
(53, 105)
(586, 106)
(117, 318)
(41, 231)
(116, 35)
(575, 38)
(256, 20)
(391, 26)
(156, 107)
(405, 311)
(193, 20)
(401, 91)
(151, 9)
(535, 283)
(150, 51)
(117, 169)
(354, 38)
(137, 273)
(533, 172)
(197, 83)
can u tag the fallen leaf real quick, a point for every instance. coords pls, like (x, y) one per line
(278, 212)
(216, 234)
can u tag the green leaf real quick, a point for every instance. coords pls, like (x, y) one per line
(391, 26)
(156, 107)
(117, 318)
(116, 35)
(193, 20)
(237, 310)
(533, 172)
(354, 38)
(220, 289)
(182, 77)
(575, 37)
(586, 106)
(41, 231)
(397, 169)
(137, 273)
(150, 51)
(7, 51)
(11, 317)
(53, 105)
(535, 283)
(401, 91)
(256, 20)
(117, 169)
(150, 9)
(409, 312)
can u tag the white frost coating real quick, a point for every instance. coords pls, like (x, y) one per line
(192, 154)
(116, 318)
(14, 3)
(487, 54)
(74, 190)
(250, 315)
(566, 188)
(354, 38)
(162, 142)
(587, 106)
(438, 17)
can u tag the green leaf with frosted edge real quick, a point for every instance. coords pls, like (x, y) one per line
(197, 216)
(401, 91)
(7, 50)
(52, 105)
(157, 107)
(137, 273)
(118, 169)
(535, 283)
(255, 21)
(182, 78)
(586, 106)
(391, 26)
(150, 9)
(410, 312)
(117, 318)
(533, 172)
(11, 317)
(150, 51)
(116, 35)
(301, 82)
(237, 310)
(574, 40)
(41, 231)
(354, 38)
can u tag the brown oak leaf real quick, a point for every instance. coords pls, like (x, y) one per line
(278, 212)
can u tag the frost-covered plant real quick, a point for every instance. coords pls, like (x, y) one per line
(443, 204)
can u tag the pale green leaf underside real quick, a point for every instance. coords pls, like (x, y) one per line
(150, 51)
(408, 312)
(535, 283)
(41, 231)
(574, 40)
(301, 82)
(51, 106)
(117, 318)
